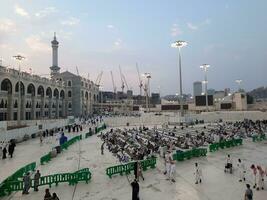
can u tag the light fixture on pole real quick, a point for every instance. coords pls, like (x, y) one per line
(147, 89)
(179, 44)
(239, 81)
(19, 58)
(205, 68)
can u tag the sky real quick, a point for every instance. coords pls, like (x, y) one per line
(101, 35)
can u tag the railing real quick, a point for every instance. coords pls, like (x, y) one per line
(97, 130)
(45, 159)
(128, 167)
(258, 138)
(181, 156)
(71, 178)
(16, 176)
(225, 144)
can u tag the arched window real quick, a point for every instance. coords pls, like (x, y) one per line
(22, 89)
(2, 104)
(48, 92)
(56, 93)
(16, 104)
(69, 93)
(6, 85)
(69, 83)
(40, 91)
(31, 89)
(69, 105)
(62, 94)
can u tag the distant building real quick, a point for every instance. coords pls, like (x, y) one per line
(211, 91)
(155, 98)
(227, 91)
(197, 88)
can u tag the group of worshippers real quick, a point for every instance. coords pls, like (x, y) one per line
(125, 146)
(7, 148)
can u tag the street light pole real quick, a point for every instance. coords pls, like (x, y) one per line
(147, 90)
(205, 68)
(19, 58)
(179, 44)
(239, 81)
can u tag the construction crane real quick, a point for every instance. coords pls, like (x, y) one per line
(122, 81)
(98, 78)
(114, 87)
(77, 71)
(140, 80)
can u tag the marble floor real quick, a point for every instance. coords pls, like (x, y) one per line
(216, 184)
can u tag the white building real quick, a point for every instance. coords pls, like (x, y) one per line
(62, 95)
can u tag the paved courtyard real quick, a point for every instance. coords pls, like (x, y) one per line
(216, 184)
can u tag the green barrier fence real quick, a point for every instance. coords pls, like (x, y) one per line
(197, 152)
(45, 159)
(225, 144)
(14, 177)
(97, 130)
(71, 178)
(128, 167)
(258, 138)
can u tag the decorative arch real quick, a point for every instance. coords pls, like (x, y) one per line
(56, 93)
(48, 92)
(22, 88)
(69, 93)
(40, 91)
(6, 85)
(69, 83)
(31, 89)
(62, 94)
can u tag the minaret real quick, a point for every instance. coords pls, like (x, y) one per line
(54, 68)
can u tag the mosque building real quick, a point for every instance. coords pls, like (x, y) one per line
(64, 94)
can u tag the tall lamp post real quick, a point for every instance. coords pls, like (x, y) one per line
(239, 81)
(147, 90)
(179, 44)
(19, 58)
(205, 68)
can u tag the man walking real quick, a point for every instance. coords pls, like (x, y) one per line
(26, 183)
(198, 174)
(37, 177)
(241, 170)
(248, 193)
(135, 191)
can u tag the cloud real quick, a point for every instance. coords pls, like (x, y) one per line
(71, 21)
(206, 21)
(45, 12)
(7, 26)
(192, 26)
(110, 26)
(20, 11)
(175, 30)
(118, 42)
(35, 43)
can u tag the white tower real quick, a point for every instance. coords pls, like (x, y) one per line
(54, 68)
